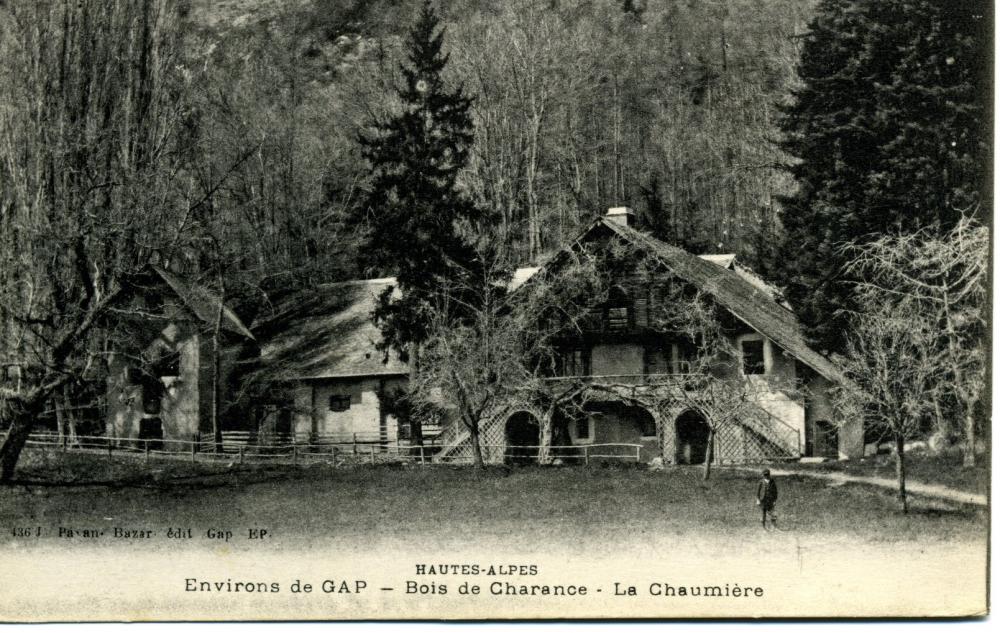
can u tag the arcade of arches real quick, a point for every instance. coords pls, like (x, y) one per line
(682, 440)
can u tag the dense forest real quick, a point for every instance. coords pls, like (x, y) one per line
(668, 107)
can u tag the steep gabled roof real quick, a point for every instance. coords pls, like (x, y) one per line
(751, 303)
(728, 260)
(203, 303)
(328, 332)
(325, 332)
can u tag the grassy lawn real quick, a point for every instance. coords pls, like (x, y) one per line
(442, 505)
(944, 470)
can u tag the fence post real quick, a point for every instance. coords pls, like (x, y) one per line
(194, 447)
(422, 454)
(354, 443)
(110, 448)
(145, 449)
(586, 455)
(371, 451)
(241, 455)
(638, 457)
(295, 454)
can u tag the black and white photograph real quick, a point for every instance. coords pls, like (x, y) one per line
(327, 310)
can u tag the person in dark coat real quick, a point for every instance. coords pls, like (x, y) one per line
(767, 495)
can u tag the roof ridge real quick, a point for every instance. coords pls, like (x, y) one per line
(358, 282)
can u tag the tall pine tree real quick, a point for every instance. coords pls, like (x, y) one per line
(419, 221)
(891, 126)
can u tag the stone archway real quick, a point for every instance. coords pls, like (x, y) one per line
(691, 437)
(522, 434)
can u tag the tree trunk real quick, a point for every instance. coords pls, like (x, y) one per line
(901, 473)
(65, 418)
(709, 453)
(216, 372)
(14, 441)
(969, 455)
(477, 449)
(216, 427)
(416, 426)
(545, 439)
(940, 426)
(61, 422)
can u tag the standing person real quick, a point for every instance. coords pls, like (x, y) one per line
(767, 494)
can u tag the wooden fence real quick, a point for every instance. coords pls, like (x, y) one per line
(237, 447)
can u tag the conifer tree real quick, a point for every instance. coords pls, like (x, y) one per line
(419, 220)
(890, 127)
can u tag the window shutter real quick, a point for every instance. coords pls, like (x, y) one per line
(642, 311)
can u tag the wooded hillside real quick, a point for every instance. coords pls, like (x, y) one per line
(579, 105)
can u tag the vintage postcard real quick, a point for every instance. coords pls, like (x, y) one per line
(463, 310)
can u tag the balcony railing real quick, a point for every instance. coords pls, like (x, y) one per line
(688, 381)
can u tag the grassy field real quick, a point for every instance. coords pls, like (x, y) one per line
(439, 504)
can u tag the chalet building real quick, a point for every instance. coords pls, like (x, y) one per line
(319, 350)
(329, 382)
(163, 387)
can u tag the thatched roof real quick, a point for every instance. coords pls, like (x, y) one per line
(325, 332)
(753, 303)
(203, 303)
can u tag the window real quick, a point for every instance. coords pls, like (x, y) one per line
(167, 364)
(655, 360)
(617, 319)
(753, 357)
(340, 403)
(574, 362)
(684, 356)
(618, 308)
(583, 430)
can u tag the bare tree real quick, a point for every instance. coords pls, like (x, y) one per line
(938, 283)
(891, 377)
(91, 139)
(505, 353)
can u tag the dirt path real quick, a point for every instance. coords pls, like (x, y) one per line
(913, 487)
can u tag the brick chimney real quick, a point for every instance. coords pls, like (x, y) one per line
(622, 215)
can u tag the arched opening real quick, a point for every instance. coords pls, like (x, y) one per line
(826, 439)
(692, 438)
(523, 437)
(645, 424)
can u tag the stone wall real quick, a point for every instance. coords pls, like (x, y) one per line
(364, 416)
(179, 401)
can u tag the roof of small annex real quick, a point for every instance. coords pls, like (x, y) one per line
(203, 303)
(326, 332)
